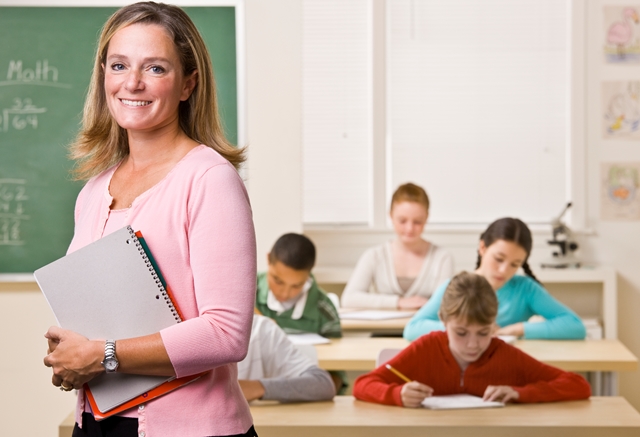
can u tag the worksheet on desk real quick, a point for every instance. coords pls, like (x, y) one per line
(307, 338)
(375, 315)
(461, 401)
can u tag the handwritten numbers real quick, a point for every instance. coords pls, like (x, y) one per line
(23, 114)
(13, 196)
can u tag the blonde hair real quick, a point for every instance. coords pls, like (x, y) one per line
(101, 143)
(469, 296)
(410, 193)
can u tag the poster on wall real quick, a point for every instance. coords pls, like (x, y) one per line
(620, 199)
(621, 109)
(622, 34)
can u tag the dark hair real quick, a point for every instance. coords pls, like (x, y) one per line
(510, 229)
(470, 297)
(295, 251)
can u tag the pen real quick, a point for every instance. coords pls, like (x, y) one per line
(400, 375)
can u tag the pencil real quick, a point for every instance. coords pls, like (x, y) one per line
(400, 375)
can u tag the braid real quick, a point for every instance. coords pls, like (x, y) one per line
(528, 271)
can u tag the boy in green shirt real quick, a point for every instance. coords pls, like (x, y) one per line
(288, 293)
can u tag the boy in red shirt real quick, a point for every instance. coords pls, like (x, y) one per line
(467, 358)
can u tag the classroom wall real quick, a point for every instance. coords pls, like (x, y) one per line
(613, 244)
(273, 56)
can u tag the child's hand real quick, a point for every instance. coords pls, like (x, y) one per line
(413, 393)
(412, 302)
(516, 329)
(500, 393)
(251, 389)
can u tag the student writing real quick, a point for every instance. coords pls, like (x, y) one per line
(467, 358)
(275, 369)
(404, 272)
(504, 248)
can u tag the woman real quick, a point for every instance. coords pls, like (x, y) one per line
(153, 148)
(404, 272)
(503, 249)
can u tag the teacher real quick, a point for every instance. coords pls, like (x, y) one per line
(154, 154)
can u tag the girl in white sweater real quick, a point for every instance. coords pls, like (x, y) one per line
(403, 272)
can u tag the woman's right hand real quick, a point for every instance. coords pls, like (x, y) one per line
(412, 302)
(73, 358)
(413, 393)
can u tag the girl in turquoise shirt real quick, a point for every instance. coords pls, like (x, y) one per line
(503, 248)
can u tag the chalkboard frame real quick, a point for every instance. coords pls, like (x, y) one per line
(238, 5)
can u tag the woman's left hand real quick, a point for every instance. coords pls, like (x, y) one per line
(516, 329)
(73, 358)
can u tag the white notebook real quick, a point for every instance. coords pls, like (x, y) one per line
(461, 401)
(308, 338)
(110, 289)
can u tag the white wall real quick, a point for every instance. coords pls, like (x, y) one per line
(274, 121)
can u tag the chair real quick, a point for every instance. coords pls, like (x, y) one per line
(385, 355)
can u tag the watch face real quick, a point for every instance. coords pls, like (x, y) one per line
(110, 364)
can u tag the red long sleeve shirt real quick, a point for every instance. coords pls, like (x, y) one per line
(429, 360)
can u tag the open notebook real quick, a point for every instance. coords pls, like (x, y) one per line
(461, 401)
(112, 289)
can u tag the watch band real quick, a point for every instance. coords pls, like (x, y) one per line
(110, 362)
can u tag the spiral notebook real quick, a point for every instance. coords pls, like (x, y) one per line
(112, 289)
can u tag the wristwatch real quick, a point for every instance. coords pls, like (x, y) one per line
(110, 362)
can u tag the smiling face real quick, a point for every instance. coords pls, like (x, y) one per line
(467, 342)
(500, 261)
(285, 282)
(408, 220)
(144, 83)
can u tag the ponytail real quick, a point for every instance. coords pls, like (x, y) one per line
(509, 229)
(528, 272)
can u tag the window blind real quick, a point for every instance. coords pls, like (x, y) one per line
(337, 112)
(478, 106)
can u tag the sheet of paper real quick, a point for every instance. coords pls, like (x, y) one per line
(307, 338)
(375, 315)
(461, 401)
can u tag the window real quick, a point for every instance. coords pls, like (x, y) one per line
(337, 108)
(478, 100)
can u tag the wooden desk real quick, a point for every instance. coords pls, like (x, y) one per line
(590, 356)
(610, 416)
(602, 276)
(390, 326)
(360, 353)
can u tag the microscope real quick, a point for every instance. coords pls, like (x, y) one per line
(563, 239)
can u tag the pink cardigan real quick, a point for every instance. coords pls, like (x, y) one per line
(198, 225)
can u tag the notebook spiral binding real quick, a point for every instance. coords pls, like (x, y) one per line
(154, 274)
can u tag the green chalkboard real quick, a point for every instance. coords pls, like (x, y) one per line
(46, 58)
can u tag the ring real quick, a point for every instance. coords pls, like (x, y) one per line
(63, 388)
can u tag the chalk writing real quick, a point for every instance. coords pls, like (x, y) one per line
(13, 196)
(41, 74)
(21, 115)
